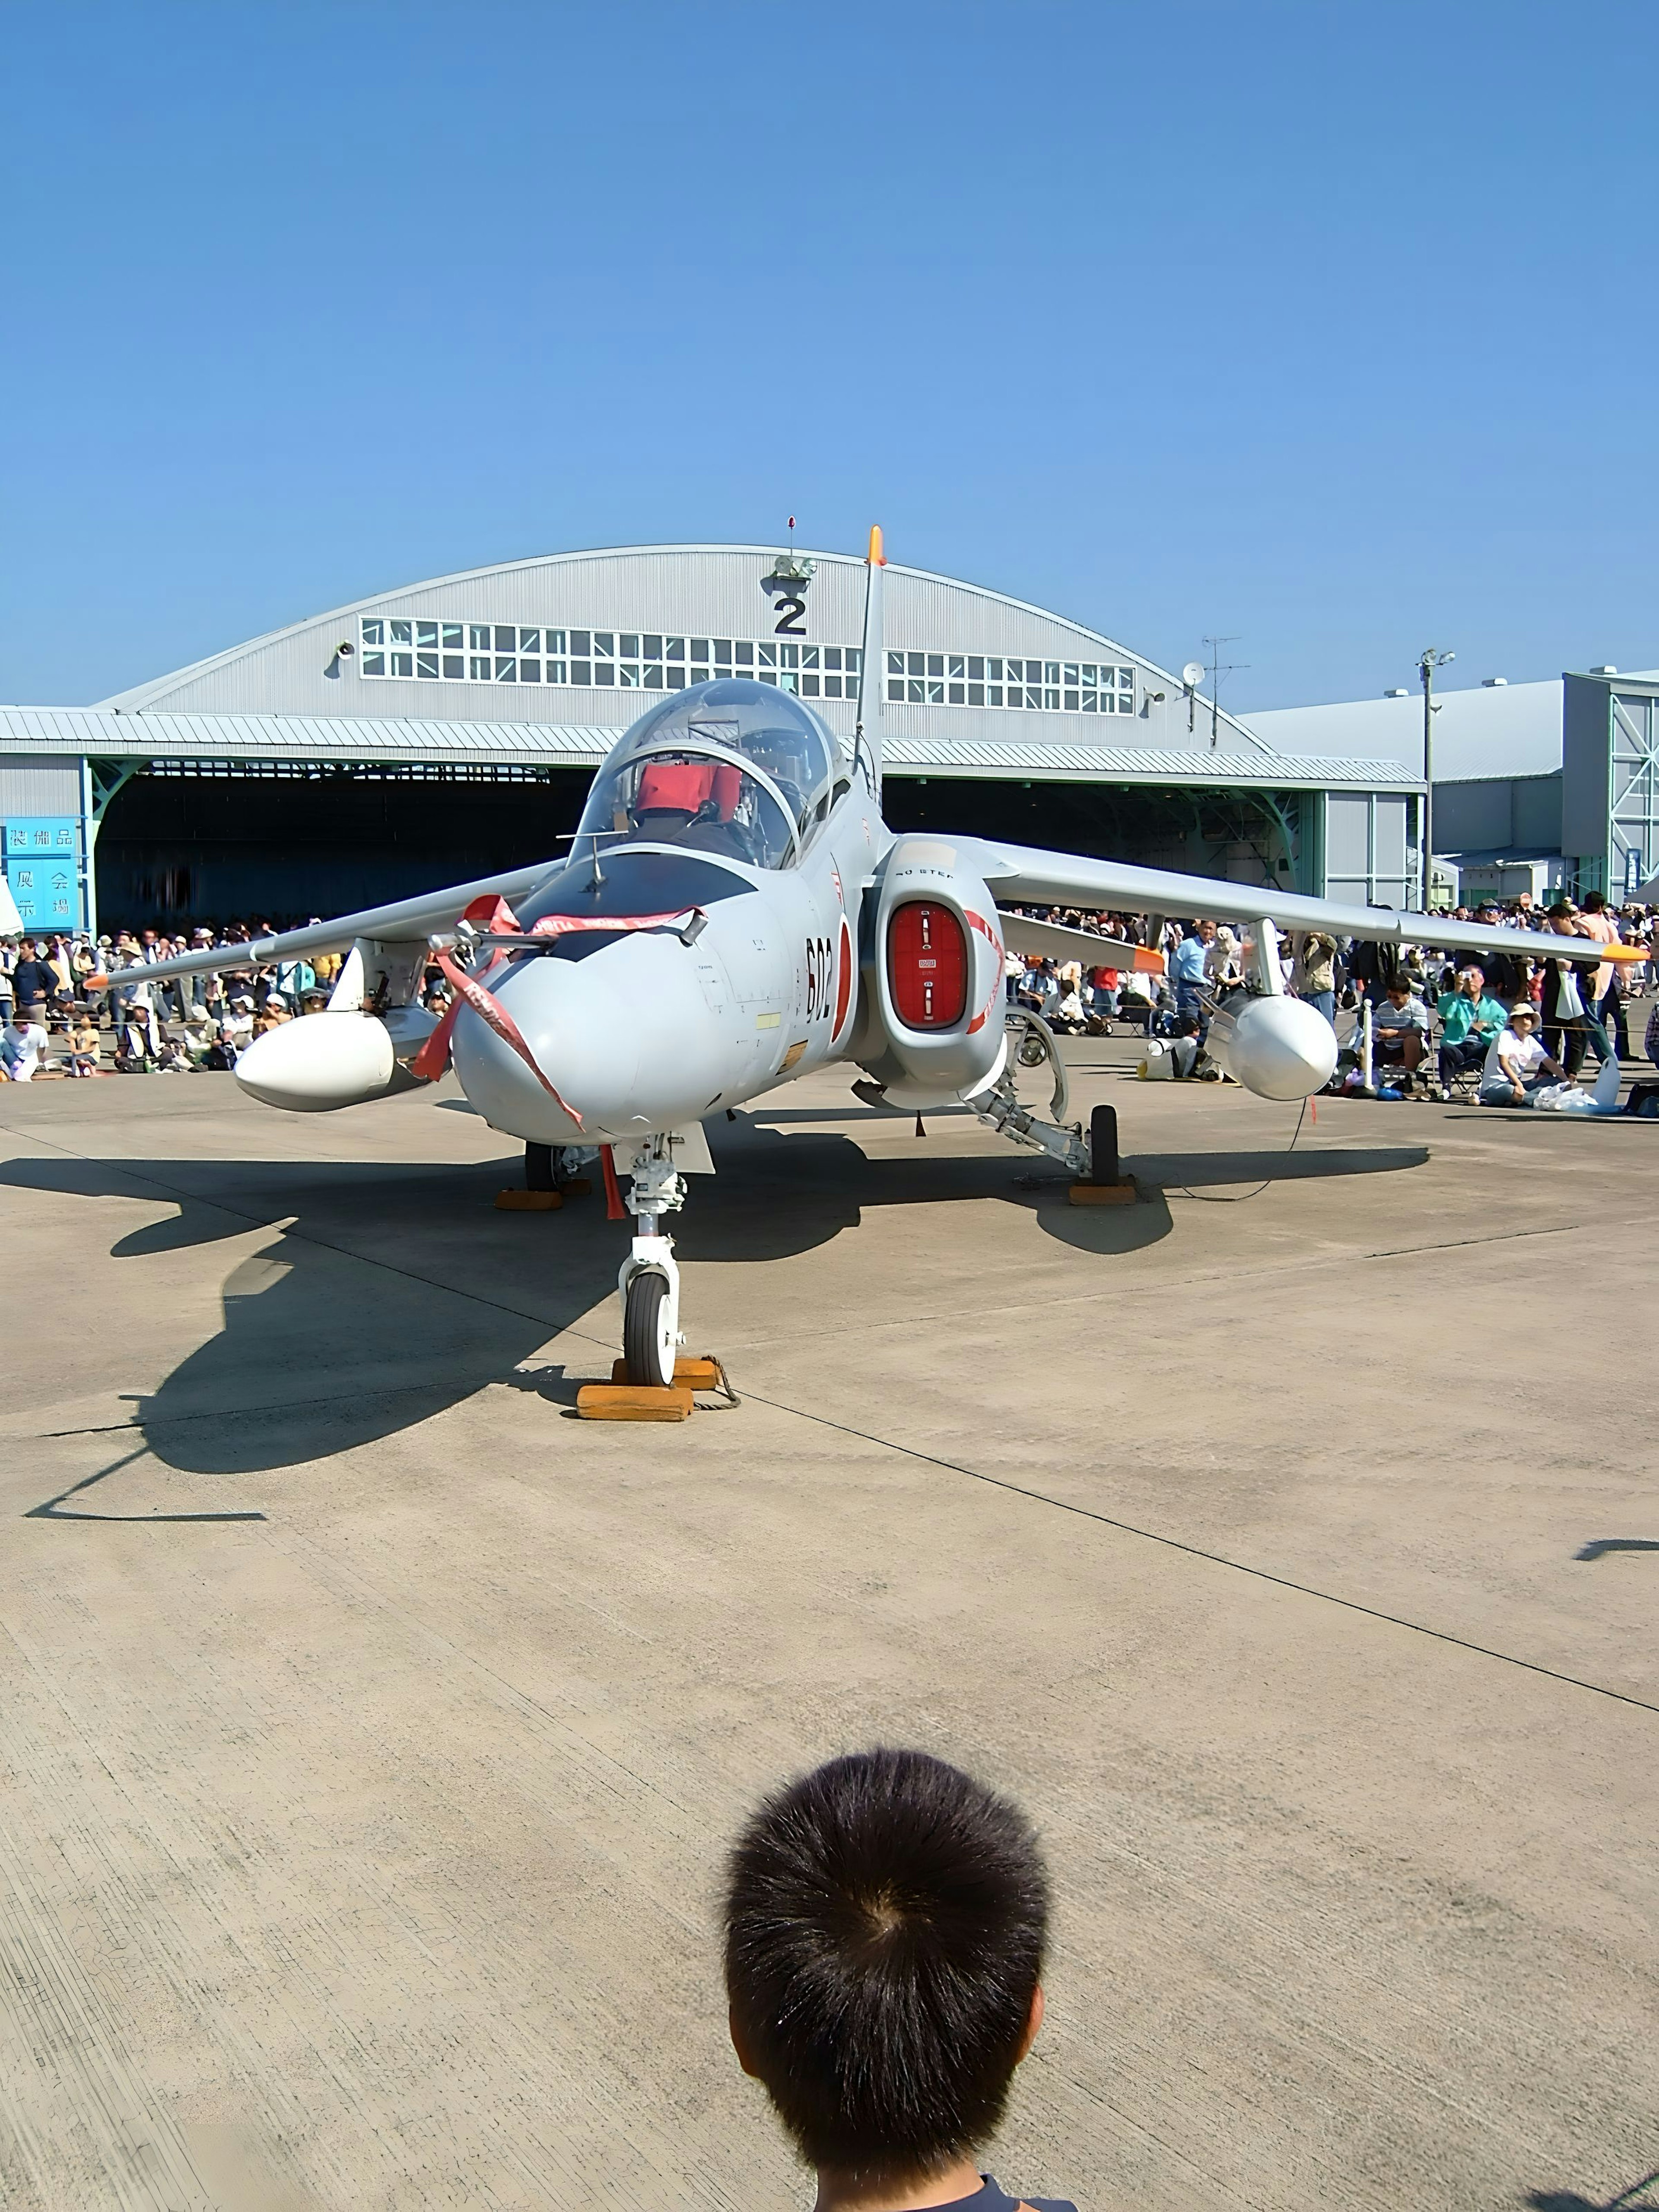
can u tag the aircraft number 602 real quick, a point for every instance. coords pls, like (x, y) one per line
(820, 977)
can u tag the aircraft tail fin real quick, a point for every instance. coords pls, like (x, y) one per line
(872, 663)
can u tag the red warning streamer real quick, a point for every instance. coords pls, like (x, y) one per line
(494, 916)
(489, 1008)
(614, 1208)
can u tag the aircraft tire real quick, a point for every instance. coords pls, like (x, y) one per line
(1103, 1145)
(539, 1171)
(650, 1360)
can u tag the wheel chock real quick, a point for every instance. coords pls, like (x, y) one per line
(630, 1402)
(1102, 1193)
(528, 1201)
(688, 1374)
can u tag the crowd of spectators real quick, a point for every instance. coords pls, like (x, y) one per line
(74, 1006)
(71, 1006)
(1436, 1019)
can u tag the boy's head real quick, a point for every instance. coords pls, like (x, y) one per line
(886, 1919)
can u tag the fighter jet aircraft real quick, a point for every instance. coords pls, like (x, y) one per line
(734, 912)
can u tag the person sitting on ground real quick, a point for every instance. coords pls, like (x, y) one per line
(22, 1048)
(236, 1030)
(1516, 1062)
(83, 1047)
(1469, 1020)
(1068, 1016)
(886, 1917)
(1399, 1030)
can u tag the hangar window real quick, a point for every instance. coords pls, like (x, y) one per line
(975, 679)
(649, 660)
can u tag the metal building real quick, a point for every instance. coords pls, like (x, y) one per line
(1537, 786)
(450, 728)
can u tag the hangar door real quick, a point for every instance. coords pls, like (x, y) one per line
(1368, 855)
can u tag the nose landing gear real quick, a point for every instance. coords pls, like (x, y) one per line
(650, 1278)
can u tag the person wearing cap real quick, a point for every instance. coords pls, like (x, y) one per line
(1566, 1027)
(1469, 1020)
(1516, 1062)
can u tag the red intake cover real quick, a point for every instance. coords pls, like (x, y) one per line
(926, 965)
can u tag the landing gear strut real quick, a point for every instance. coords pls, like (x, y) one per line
(650, 1277)
(999, 1108)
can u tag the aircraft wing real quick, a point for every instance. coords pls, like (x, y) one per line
(1053, 940)
(404, 922)
(1024, 872)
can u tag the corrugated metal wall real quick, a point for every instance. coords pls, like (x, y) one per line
(38, 784)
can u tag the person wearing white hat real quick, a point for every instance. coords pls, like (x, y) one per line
(1516, 1062)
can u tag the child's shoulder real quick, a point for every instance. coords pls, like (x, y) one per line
(994, 2199)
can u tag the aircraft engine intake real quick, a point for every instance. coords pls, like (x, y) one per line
(930, 1018)
(1278, 1047)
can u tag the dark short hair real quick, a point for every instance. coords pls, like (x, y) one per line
(1594, 902)
(1398, 984)
(885, 1919)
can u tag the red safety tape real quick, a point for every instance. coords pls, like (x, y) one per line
(433, 1057)
(490, 1009)
(558, 924)
(614, 1208)
(431, 1061)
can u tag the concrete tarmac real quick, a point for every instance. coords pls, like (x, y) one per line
(372, 1728)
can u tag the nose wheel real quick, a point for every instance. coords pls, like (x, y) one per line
(648, 1332)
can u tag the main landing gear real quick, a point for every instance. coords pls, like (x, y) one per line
(1097, 1175)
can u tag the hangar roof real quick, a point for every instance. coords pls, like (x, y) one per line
(116, 734)
(461, 664)
(1480, 734)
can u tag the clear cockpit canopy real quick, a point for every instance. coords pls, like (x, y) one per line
(681, 775)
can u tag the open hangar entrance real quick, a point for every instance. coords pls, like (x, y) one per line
(216, 841)
(1241, 835)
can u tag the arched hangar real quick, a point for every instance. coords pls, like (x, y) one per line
(450, 728)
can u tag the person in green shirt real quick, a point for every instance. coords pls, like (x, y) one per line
(1469, 1021)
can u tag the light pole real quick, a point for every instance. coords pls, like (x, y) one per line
(1427, 662)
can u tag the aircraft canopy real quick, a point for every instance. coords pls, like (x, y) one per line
(675, 777)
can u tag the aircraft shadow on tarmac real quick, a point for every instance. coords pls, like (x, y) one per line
(384, 1293)
(1568, 2200)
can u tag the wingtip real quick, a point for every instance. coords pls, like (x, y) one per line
(877, 558)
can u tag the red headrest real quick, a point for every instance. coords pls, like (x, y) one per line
(728, 787)
(675, 786)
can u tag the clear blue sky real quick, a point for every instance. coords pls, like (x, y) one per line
(1332, 324)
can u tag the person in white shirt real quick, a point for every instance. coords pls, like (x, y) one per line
(21, 1045)
(1516, 1063)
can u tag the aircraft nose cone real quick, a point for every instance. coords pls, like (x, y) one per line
(625, 1035)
